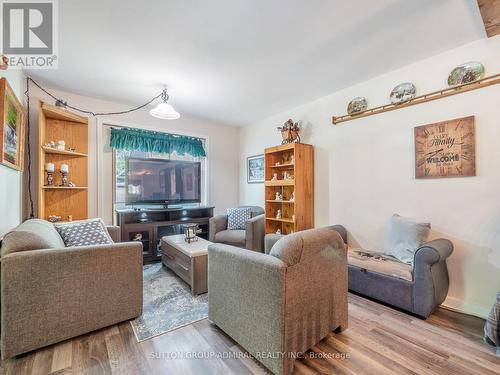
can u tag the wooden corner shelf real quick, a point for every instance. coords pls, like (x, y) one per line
(57, 124)
(300, 186)
(50, 150)
(484, 82)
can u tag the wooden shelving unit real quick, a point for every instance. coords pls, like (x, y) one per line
(485, 82)
(57, 124)
(297, 214)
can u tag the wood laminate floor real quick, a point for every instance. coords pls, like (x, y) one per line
(379, 340)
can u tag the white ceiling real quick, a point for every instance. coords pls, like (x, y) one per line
(238, 61)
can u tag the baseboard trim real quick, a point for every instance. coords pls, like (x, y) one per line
(457, 305)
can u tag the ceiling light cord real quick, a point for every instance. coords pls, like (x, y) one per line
(28, 161)
(163, 95)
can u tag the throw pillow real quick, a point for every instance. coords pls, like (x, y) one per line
(492, 326)
(404, 238)
(237, 217)
(84, 233)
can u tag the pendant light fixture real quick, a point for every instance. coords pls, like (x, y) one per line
(164, 110)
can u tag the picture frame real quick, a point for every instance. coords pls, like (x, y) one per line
(12, 128)
(255, 169)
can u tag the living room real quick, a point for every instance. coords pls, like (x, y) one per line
(313, 192)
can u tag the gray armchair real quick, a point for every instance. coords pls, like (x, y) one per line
(283, 303)
(50, 293)
(251, 238)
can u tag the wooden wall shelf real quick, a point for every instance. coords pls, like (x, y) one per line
(280, 183)
(283, 220)
(65, 187)
(488, 81)
(296, 215)
(57, 124)
(50, 150)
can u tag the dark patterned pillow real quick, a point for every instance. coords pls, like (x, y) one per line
(237, 217)
(84, 233)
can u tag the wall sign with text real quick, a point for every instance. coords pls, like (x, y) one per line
(446, 149)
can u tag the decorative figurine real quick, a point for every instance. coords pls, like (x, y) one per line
(51, 144)
(287, 176)
(292, 159)
(137, 237)
(61, 145)
(71, 149)
(275, 177)
(50, 168)
(278, 214)
(278, 196)
(290, 132)
(277, 163)
(64, 173)
(71, 184)
(54, 218)
(70, 217)
(278, 231)
(292, 198)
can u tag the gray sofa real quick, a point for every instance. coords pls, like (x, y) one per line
(251, 238)
(279, 305)
(427, 288)
(50, 293)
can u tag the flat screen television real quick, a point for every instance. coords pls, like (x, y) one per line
(161, 181)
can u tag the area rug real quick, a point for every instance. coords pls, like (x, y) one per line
(168, 303)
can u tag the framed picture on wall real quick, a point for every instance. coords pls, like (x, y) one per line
(446, 149)
(11, 128)
(255, 169)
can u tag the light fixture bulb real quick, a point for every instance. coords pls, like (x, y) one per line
(164, 110)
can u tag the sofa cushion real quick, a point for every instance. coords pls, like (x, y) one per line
(404, 238)
(84, 233)
(237, 217)
(379, 263)
(33, 234)
(231, 237)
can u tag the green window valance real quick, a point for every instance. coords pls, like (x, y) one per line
(150, 141)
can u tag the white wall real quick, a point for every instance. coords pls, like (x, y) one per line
(222, 149)
(364, 169)
(11, 179)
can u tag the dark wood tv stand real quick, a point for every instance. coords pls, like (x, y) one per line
(149, 225)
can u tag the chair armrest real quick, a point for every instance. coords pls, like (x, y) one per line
(269, 241)
(430, 276)
(340, 230)
(433, 251)
(216, 224)
(254, 233)
(51, 295)
(246, 296)
(114, 232)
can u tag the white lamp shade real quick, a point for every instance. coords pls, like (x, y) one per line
(165, 111)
